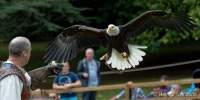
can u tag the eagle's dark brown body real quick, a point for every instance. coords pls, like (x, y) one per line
(117, 43)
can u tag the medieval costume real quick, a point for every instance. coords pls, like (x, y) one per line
(14, 82)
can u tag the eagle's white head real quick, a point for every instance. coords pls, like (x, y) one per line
(112, 30)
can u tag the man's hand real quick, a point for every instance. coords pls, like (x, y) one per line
(67, 86)
(85, 75)
(54, 67)
(53, 63)
(114, 98)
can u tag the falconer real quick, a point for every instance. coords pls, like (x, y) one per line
(14, 80)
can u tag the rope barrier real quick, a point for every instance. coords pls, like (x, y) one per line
(152, 67)
(149, 68)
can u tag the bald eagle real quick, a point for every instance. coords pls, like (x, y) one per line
(120, 55)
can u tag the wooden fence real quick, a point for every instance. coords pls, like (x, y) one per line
(128, 86)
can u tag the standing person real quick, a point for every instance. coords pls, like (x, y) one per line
(14, 80)
(89, 72)
(66, 80)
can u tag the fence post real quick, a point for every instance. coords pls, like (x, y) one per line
(128, 89)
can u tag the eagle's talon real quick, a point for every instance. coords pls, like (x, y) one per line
(124, 55)
(104, 57)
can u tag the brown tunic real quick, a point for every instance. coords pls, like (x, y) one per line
(7, 69)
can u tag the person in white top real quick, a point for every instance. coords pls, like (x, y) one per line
(11, 86)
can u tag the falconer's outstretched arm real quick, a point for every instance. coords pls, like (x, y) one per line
(39, 76)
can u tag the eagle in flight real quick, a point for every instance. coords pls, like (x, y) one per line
(120, 54)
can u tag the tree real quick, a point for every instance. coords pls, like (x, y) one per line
(42, 19)
(39, 19)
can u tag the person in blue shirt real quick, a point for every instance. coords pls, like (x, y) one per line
(194, 89)
(66, 80)
(89, 72)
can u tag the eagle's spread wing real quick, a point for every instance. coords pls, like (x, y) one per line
(68, 43)
(179, 22)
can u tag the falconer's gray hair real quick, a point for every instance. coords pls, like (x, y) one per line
(18, 45)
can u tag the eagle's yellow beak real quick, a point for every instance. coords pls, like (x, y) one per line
(109, 29)
(112, 30)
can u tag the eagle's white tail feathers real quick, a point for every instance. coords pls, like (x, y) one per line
(117, 61)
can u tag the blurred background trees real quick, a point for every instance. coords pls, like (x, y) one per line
(36, 19)
(43, 19)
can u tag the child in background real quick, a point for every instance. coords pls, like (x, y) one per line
(175, 90)
(136, 93)
(66, 80)
(161, 90)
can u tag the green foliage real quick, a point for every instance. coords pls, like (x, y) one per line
(194, 12)
(44, 19)
(36, 18)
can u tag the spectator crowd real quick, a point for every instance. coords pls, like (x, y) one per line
(89, 76)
